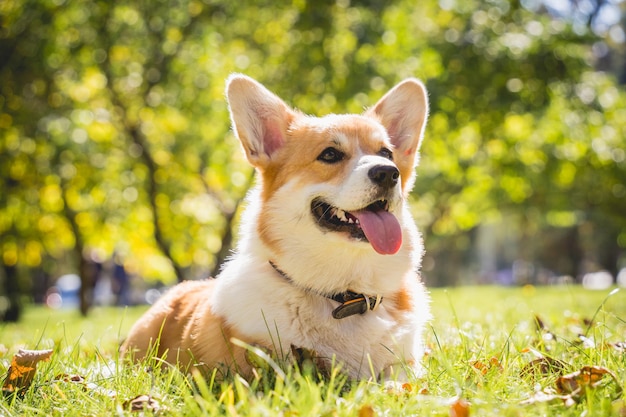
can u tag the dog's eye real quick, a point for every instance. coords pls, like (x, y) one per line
(330, 155)
(386, 153)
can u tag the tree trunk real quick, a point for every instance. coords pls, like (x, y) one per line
(79, 250)
(12, 290)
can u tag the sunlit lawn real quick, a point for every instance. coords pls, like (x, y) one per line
(484, 347)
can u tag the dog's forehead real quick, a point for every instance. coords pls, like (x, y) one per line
(349, 130)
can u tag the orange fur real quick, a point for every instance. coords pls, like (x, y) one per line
(181, 328)
(402, 303)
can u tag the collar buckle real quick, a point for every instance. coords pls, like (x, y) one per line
(351, 302)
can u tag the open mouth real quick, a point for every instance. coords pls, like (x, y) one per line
(373, 223)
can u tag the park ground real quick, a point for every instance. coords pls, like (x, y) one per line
(492, 351)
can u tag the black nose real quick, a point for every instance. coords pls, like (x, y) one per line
(384, 175)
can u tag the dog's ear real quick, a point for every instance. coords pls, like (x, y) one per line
(403, 112)
(260, 119)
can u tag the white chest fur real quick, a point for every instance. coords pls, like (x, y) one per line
(271, 311)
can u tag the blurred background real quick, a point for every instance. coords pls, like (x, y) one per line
(119, 175)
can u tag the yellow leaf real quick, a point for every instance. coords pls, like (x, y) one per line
(460, 408)
(366, 411)
(23, 368)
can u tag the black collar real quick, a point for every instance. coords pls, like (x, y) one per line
(350, 302)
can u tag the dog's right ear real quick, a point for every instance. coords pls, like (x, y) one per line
(260, 118)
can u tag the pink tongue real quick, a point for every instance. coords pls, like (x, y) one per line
(382, 230)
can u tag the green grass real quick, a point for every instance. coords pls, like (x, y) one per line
(480, 344)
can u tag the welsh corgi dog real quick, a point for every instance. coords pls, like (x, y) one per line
(328, 254)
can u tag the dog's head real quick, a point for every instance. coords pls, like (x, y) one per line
(338, 177)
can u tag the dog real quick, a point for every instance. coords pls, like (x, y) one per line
(328, 254)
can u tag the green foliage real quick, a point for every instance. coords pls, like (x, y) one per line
(124, 146)
(114, 129)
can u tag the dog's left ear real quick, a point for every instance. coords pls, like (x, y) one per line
(403, 112)
(260, 119)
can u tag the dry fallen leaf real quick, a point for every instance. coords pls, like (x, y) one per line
(481, 367)
(22, 370)
(484, 367)
(403, 388)
(587, 377)
(460, 408)
(571, 388)
(543, 330)
(366, 411)
(543, 366)
(87, 386)
(540, 324)
(70, 378)
(141, 403)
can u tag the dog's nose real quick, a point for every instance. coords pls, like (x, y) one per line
(384, 175)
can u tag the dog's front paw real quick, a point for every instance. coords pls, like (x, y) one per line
(308, 358)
